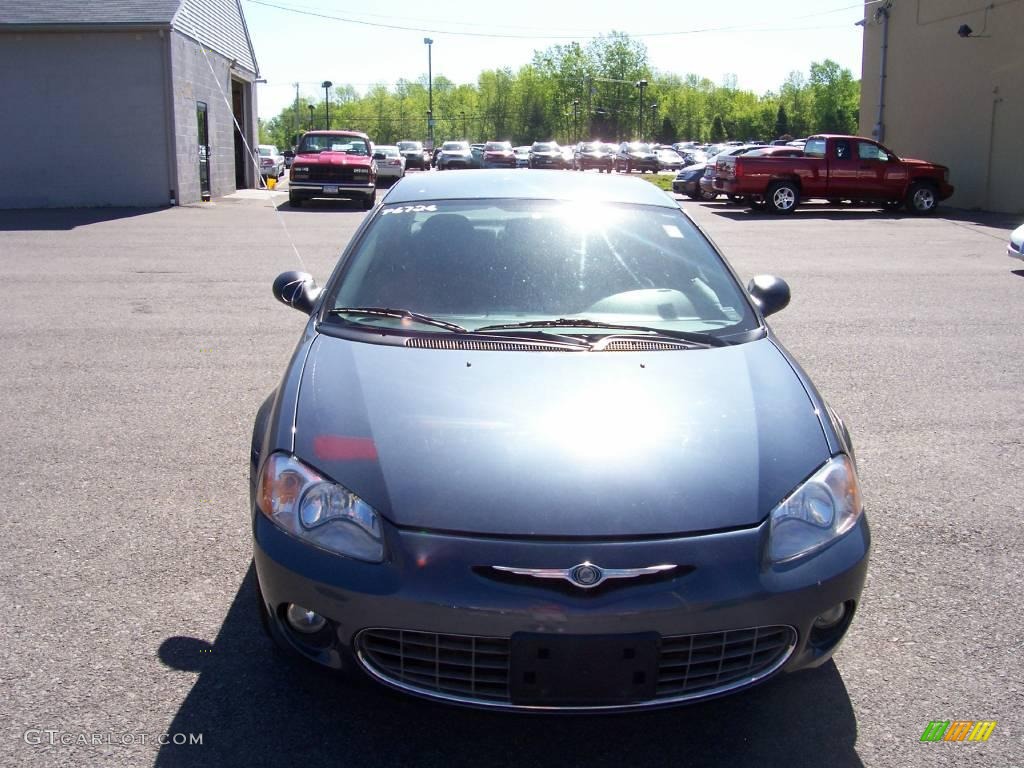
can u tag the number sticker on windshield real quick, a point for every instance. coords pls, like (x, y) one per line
(409, 209)
(672, 230)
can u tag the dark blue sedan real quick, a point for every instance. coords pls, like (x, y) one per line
(537, 449)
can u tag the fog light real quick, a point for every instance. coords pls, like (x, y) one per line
(829, 618)
(304, 620)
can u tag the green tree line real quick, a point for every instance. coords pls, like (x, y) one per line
(572, 91)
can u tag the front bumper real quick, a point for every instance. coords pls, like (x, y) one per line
(686, 186)
(307, 189)
(443, 584)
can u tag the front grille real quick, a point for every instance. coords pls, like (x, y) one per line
(690, 665)
(334, 173)
(476, 669)
(459, 665)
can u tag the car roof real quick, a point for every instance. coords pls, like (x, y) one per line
(528, 185)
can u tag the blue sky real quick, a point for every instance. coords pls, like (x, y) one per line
(759, 42)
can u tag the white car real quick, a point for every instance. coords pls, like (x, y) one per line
(390, 163)
(271, 161)
(1015, 248)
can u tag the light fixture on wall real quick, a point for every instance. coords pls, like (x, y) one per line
(965, 30)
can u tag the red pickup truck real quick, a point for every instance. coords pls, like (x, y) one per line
(835, 168)
(333, 164)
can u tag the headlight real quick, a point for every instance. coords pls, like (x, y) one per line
(322, 513)
(825, 507)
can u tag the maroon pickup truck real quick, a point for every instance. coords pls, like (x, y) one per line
(835, 168)
(333, 164)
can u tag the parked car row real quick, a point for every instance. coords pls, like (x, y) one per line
(831, 167)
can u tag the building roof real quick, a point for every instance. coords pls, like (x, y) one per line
(219, 24)
(73, 12)
(527, 185)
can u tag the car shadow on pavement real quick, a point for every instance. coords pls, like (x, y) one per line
(58, 219)
(806, 213)
(1017, 272)
(255, 706)
(322, 206)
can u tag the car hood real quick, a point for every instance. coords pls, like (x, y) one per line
(333, 158)
(559, 443)
(921, 163)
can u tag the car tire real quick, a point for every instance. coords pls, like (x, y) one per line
(706, 197)
(922, 198)
(782, 197)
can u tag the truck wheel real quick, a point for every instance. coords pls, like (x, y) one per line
(782, 197)
(921, 199)
(369, 200)
(706, 196)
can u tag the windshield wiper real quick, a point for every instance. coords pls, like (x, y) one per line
(403, 314)
(701, 339)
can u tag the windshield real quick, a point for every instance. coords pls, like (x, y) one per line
(545, 147)
(483, 262)
(267, 151)
(639, 147)
(408, 146)
(455, 146)
(386, 151)
(497, 146)
(321, 142)
(589, 146)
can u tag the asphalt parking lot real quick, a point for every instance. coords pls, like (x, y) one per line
(137, 346)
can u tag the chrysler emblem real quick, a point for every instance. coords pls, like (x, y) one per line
(585, 575)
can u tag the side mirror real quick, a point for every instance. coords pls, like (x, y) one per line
(770, 293)
(296, 290)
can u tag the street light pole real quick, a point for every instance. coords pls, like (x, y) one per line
(641, 84)
(327, 100)
(465, 131)
(430, 91)
(311, 117)
(576, 120)
(654, 118)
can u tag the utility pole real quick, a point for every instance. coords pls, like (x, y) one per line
(576, 120)
(296, 120)
(465, 132)
(327, 100)
(641, 84)
(430, 91)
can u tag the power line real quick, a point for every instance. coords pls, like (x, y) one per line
(748, 26)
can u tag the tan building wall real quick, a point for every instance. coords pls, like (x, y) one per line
(949, 99)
